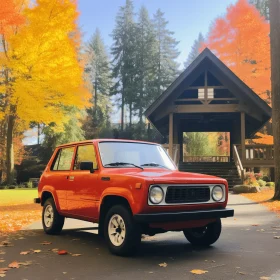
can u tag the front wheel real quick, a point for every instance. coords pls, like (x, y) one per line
(204, 236)
(122, 234)
(52, 221)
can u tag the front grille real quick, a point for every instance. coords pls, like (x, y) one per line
(187, 194)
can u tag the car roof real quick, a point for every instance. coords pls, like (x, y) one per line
(106, 140)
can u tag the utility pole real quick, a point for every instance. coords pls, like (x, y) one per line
(274, 9)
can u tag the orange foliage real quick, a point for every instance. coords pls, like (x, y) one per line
(241, 40)
(9, 16)
(264, 199)
(263, 139)
(15, 217)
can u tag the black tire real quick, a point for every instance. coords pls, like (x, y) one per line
(204, 236)
(58, 221)
(132, 238)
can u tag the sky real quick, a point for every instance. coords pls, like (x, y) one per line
(186, 19)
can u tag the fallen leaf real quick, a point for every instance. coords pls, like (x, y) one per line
(24, 252)
(25, 263)
(64, 272)
(46, 243)
(4, 269)
(62, 252)
(262, 230)
(6, 244)
(163, 264)
(2, 253)
(14, 265)
(213, 261)
(265, 278)
(276, 237)
(198, 271)
(255, 225)
(2, 275)
(242, 273)
(1, 261)
(76, 255)
(37, 251)
(21, 238)
(55, 250)
(151, 272)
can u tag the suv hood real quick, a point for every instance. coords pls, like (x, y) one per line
(162, 176)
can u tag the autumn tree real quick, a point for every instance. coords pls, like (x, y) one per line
(274, 6)
(241, 40)
(195, 50)
(43, 75)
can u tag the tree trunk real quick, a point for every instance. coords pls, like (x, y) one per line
(122, 110)
(274, 7)
(10, 150)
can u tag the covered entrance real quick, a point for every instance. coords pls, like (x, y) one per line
(209, 97)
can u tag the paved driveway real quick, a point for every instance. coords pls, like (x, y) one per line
(247, 249)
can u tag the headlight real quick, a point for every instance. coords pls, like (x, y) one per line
(217, 193)
(156, 195)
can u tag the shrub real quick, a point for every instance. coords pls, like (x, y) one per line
(261, 183)
(245, 189)
(250, 179)
(270, 184)
(266, 178)
(258, 176)
(29, 185)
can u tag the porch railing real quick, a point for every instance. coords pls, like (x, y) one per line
(206, 158)
(175, 152)
(257, 152)
(238, 164)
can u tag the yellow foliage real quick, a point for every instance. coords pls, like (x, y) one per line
(43, 63)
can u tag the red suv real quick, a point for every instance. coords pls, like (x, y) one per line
(130, 188)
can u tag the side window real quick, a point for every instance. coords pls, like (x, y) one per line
(63, 159)
(85, 153)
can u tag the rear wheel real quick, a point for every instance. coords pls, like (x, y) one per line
(122, 234)
(204, 236)
(52, 221)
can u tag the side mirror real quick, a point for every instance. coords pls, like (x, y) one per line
(87, 165)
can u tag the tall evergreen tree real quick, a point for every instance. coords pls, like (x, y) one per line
(166, 53)
(98, 70)
(262, 6)
(194, 50)
(146, 49)
(123, 51)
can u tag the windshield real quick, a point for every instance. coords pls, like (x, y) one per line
(146, 155)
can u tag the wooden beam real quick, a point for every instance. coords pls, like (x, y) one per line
(214, 87)
(211, 108)
(171, 135)
(243, 155)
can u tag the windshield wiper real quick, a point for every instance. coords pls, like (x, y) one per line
(155, 165)
(123, 163)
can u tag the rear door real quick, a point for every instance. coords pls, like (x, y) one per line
(59, 174)
(82, 192)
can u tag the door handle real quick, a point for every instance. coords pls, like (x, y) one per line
(71, 178)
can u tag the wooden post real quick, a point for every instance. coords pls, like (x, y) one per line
(274, 11)
(243, 157)
(171, 135)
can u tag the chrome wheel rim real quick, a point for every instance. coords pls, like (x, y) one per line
(116, 230)
(48, 216)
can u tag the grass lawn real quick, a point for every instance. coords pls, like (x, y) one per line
(17, 209)
(264, 199)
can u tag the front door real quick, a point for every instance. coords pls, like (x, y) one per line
(59, 175)
(82, 191)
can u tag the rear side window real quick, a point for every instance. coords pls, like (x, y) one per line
(63, 159)
(85, 153)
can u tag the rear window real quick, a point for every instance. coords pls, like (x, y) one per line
(63, 159)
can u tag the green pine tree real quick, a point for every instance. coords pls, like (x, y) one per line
(145, 66)
(166, 54)
(194, 50)
(124, 56)
(262, 6)
(99, 73)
